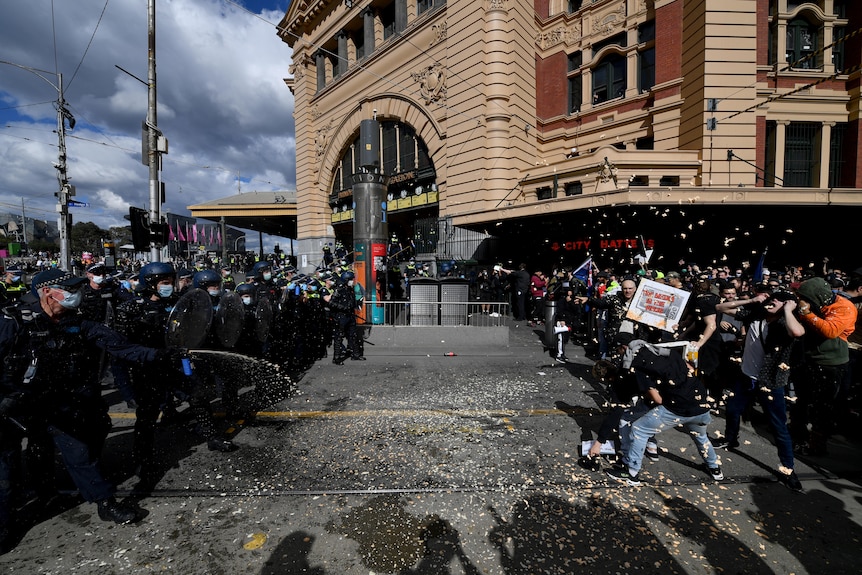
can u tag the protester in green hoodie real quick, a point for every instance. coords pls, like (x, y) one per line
(828, 321)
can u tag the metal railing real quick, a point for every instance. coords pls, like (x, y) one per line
(436, 313)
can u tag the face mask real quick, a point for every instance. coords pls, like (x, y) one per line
(214, 292)
(246, 300)
(165, 291)
(267, 276)
(70, 300)
(98, 280)
(134, 285)
(350, 283)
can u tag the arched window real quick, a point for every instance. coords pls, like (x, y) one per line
(802, 41)
(609, 79)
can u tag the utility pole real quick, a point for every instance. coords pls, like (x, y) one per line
(23, 222)
(153, 134)
(66, 190)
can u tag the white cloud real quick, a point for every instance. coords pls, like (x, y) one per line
(222, 101)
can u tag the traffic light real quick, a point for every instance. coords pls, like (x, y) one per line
(144, 232)
(140, 220)
(277, 249)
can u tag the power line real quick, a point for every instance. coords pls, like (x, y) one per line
(87, 49)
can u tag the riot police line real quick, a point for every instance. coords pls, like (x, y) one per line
(180, 350)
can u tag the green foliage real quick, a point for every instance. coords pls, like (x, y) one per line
(87, 237)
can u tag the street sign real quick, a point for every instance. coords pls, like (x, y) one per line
(74, 204)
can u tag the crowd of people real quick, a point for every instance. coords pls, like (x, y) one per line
(768, 337)
(788, 341)
(61, 333)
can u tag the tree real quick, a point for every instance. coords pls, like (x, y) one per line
(87, 237)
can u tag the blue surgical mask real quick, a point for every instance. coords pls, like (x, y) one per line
(246, 300)
(16, 278)
(165, 291)
(98, 280)
(267, 276)
(70, 300)
(126, 285)
(214, 292)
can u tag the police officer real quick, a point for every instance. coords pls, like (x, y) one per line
(144, 320)
(343, 307)
(266, 288)
(12, 287)
(184, 281)
(49, 393)
(249, 343)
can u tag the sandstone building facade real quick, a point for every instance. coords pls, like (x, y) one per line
(570, 127)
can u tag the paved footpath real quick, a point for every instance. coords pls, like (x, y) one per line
(419, 462)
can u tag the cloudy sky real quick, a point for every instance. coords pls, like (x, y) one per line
(222, 103)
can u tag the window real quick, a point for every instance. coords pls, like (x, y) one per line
(638, 181)
(838, 50)
(609, 79)
(837, 178)
(840, 7)
(769, 163)
(669, 181)
(390, 148)
(387, 19)
(646, 70)
(576, 59)
(423, 6)
(575, 5)
(574, 189)
(575, 94)
(358, 37)
(801, 45)
(801, 141)
(645, 143)
(545, 193)
(646, 32)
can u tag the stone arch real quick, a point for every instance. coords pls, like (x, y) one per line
(389, 107)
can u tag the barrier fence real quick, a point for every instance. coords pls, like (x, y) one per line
(436, 313)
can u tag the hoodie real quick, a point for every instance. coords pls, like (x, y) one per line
(831, 320)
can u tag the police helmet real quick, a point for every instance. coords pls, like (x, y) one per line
(246, 289)
(347, 276)
(151, 274)
(206, 278)
(259, 267)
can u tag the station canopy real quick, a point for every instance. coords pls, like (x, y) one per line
(272, 213)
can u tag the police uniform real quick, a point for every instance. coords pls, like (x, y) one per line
(50, 392)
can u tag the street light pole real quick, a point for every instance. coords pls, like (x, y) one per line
(66, 190)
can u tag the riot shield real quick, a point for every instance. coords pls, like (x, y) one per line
(228, 319)
(263, 314)
(189, 322)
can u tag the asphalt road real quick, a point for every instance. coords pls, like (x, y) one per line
(418, 462)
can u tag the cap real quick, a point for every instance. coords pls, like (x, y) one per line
(13, 269)
(96, 267)
(184, 273)
(671, 275)
(57, 277)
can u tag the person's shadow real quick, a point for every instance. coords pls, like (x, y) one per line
(290, 556)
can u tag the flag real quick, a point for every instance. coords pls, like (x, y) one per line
(584, 272)
(758, 271)
(180, 232)
(195, 233)
(218, 237)
(171, 236)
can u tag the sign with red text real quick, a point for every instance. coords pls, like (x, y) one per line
(658, 305)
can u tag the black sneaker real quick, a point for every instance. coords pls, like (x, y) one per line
(590, 463)
(651, 452)
(725, 444)
(358, 358)
(110, 510)
(621, 473)
(791, 481)
(561, 359)
(716, 473)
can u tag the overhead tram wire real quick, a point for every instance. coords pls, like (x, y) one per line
(87, 49)
(790, 67)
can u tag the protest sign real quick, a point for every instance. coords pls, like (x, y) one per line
(658, 305)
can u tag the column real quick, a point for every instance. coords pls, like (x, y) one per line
(780, 144)
(825, 148)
